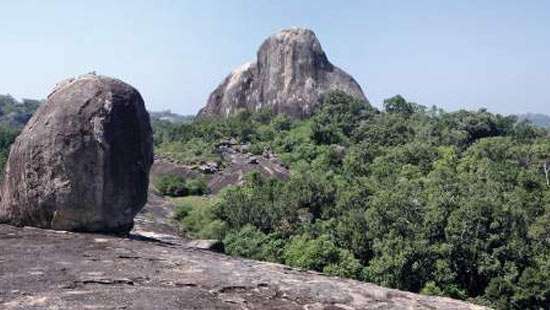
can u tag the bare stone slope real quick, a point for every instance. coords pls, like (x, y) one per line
(290, 76)
(45, 269)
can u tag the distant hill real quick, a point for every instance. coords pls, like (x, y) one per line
(15, 113)
(538, 119)
(167, 115)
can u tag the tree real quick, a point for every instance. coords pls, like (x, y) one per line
(399, 105)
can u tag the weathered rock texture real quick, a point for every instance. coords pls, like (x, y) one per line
(239, 163)
(82, 162)
(236, 163)
(291, 75)
(44, 269)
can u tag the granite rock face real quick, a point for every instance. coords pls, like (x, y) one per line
(82, 162)
(44, 269)
(290, 76)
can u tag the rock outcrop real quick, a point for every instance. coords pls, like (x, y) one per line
(44, 269)
(239, 162)
(290, 76)
(82, 162)
(236, 163)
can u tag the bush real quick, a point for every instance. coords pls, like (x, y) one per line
(197, 187)
(171, 185)
(7, 136)
(196, 218)
(177, 186)
(257, 203)
(321, 254)
(257, 148)
(252, 243)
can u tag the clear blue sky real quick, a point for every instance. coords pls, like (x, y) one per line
(454, 54)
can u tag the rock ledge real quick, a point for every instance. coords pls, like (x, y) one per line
(45, 269)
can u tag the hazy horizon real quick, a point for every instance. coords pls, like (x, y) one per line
(491, 54)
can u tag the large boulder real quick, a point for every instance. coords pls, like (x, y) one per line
(82, 162)
(290, 76)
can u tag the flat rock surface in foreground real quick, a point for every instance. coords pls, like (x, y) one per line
(43, 269)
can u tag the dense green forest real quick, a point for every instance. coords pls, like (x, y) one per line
(443, 203)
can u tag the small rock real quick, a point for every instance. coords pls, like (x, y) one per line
(209, 167)
(253, 160)
(207, 244)
(243, 148)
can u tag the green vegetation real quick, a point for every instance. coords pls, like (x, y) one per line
(7, 136)
(194, 142)
(197, 219)
(452, 204)
(15, 114)
(176, 186)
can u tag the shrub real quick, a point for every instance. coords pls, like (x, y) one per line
(321, 254)
(252, 243)
(171, 185)
(196, 218)
(177, 186)
(197, 187)
(257, 203)
(257, 148)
